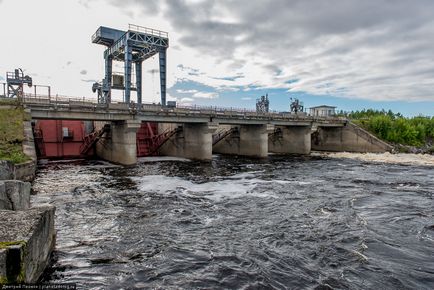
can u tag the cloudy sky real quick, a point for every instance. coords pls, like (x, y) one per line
(349, 53)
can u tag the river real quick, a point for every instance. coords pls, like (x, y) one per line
(328, 221)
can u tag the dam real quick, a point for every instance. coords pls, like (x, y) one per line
(197, 133)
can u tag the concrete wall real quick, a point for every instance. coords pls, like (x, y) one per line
(26, 171)
(27, 239)
(349, 138)
(119, 145)
(14, 195)
(249, 140)
(229, 145)
(194, 141)
(290, 140)
(6, 170)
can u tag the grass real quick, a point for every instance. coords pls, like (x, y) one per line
(12, 134)
(22, 274)
(9, 101)
(4, 245)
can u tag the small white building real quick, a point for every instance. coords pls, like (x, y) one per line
(322, 111)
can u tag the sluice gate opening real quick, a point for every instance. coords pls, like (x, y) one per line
(149, 140)
(64, 139)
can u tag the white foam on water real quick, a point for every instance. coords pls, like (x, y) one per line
(401, 158)
(161, 158)
(252, 175)
(48, 161)
(237, 186)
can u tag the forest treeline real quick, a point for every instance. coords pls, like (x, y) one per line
(395, 128)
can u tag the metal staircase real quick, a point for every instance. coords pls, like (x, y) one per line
(222, 135)
(92, 138)
(275, 135)
(150, 145)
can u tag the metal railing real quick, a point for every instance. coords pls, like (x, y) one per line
(96, 34)
(66, 102)
(147, 30)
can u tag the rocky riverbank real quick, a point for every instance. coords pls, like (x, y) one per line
(427, 148)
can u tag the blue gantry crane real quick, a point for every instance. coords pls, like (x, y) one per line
(132, 47)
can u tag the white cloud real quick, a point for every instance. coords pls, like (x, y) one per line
(204, 95)
(187, 91)
(357, 49)
(186, 100)
(246, 99)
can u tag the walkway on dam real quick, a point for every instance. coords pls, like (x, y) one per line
(83, 109)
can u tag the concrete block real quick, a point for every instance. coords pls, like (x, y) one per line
(5, 202)
(27, 239)
(3, 260)
(17, 193)
(25, 171)
(6, 170)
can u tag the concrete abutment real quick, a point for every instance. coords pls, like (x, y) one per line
(348, 138)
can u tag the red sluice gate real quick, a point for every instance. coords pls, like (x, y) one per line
(57, 139)
(146, 139)
(62, 138)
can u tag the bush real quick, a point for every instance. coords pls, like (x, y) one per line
(395, 128)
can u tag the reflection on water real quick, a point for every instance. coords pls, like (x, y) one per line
(320, 222)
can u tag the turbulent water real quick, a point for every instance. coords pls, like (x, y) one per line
(320, 222)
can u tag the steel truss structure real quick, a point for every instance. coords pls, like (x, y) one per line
(15, 83)
(263, 104)
(132, 47)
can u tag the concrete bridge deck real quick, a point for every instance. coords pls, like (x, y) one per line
(70, 109)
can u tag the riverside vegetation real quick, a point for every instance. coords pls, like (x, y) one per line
(11, 133)
(395, 128)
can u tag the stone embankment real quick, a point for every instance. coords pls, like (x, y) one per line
(27, 235)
